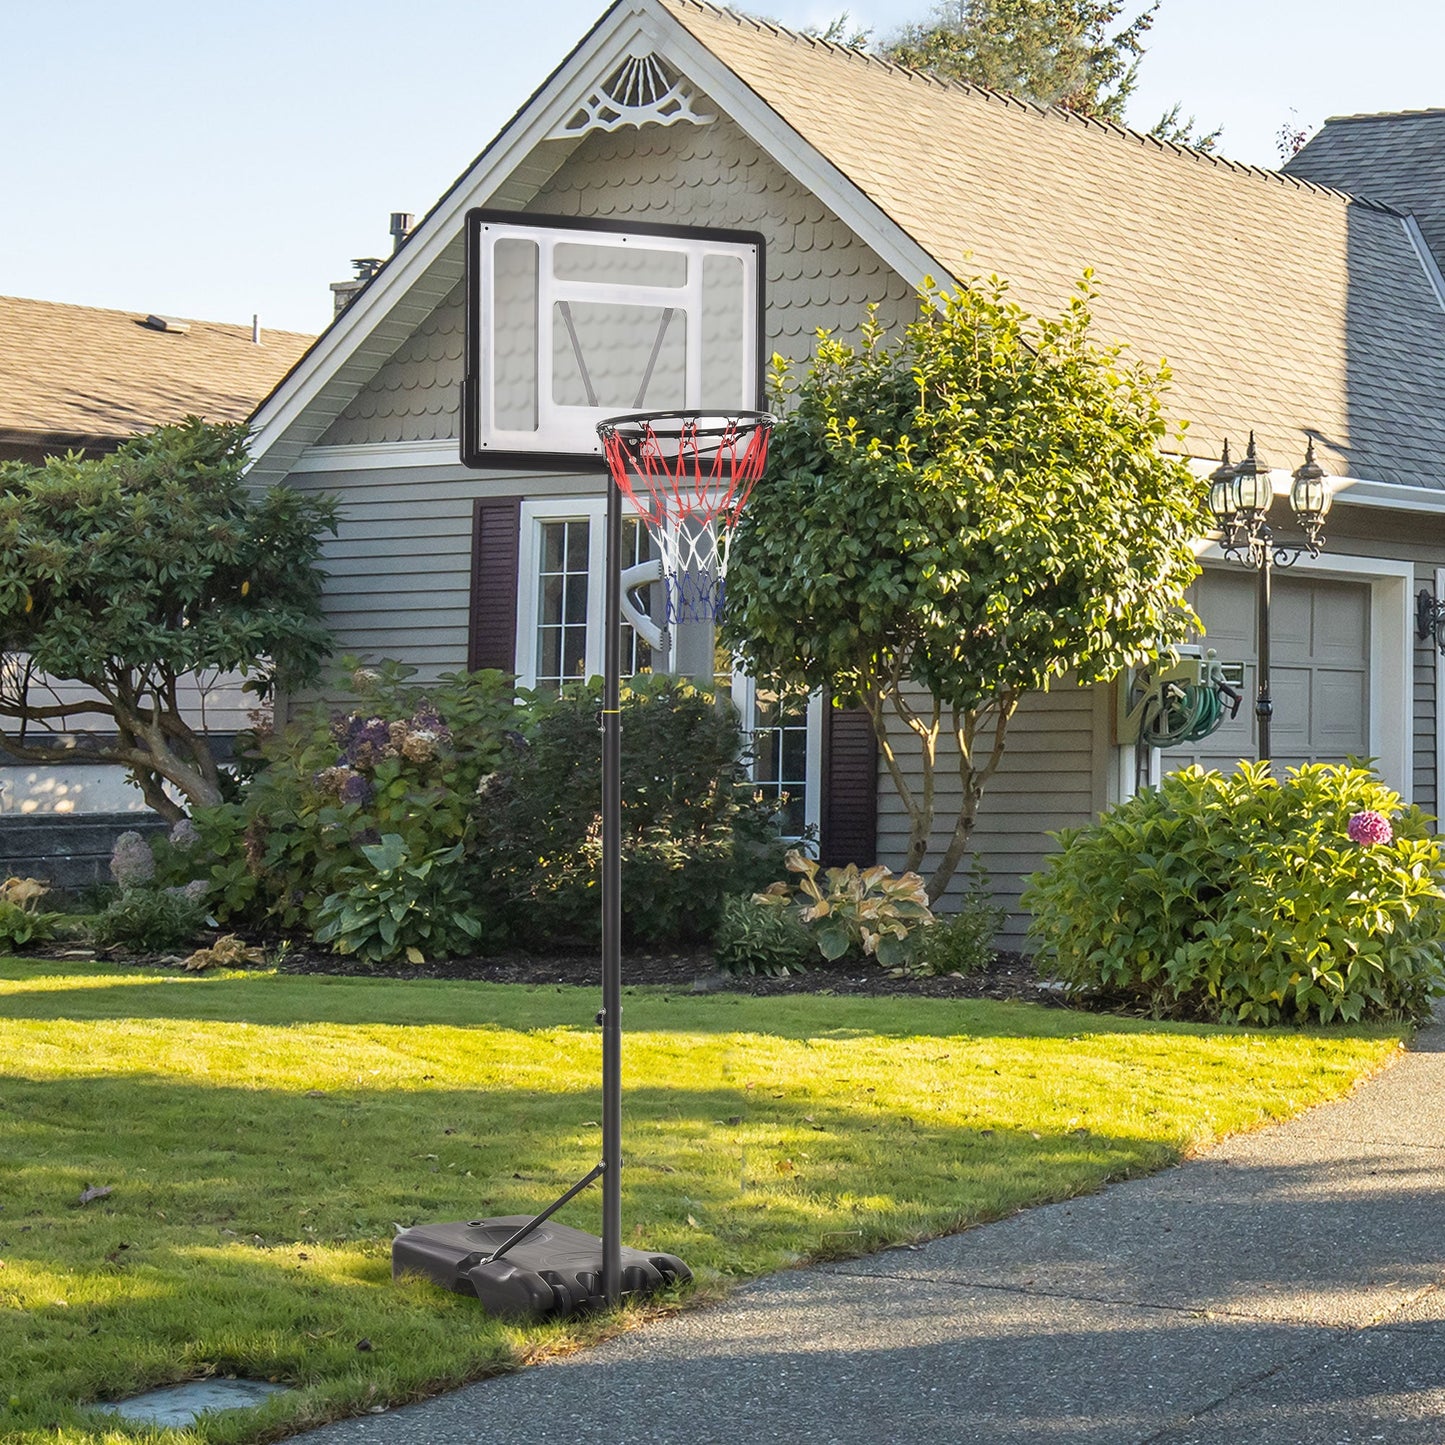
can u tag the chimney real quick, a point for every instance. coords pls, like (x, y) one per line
(343, 293)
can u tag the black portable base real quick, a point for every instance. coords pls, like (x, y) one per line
(554, 1270)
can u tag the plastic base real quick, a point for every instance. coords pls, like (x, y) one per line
(555, 1271)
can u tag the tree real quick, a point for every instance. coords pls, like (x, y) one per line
(128, 573)
(1070, 53)
(951, 522)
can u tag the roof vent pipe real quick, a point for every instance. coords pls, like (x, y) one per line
(401, 226)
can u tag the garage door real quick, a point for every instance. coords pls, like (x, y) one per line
(1320, 633)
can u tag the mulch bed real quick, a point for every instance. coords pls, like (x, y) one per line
(1010, 976)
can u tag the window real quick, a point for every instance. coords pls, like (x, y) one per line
(784, 732)
(563, 579)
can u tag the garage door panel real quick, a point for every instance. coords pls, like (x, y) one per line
(1341, 623)
(1291, 620)
(1228, 611)
(1319, 642)
(1339, 708)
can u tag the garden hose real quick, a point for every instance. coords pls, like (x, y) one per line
(1181, 713)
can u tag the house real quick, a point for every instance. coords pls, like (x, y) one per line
(679, 141)
(82, 378)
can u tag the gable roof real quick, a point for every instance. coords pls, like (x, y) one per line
(83, 377)
(1282, 305)
(1398, 158)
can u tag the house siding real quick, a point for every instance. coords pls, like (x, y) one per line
(819, 274)
(1051, 776)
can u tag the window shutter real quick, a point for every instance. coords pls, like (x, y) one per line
(848, 831)
(496, 539)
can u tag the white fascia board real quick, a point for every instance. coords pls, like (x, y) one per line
(374, 456)
(776, 138)
(606, 49)
(1353, 491)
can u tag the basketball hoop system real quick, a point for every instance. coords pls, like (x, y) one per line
(688, 476)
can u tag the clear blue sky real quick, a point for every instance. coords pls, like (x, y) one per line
(215, 158)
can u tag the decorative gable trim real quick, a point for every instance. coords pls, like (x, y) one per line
(641, 91)
(429, 264)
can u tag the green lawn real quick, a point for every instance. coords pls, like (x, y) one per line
(262, 1134)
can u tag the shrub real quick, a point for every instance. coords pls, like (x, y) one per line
(1245, 898)
(962, 942)
(754, 938)
(868, 911)
(398, 905)
(406, 761)
(21, 922)
(693, 828)
(150, 920)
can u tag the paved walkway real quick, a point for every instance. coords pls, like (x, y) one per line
(1285, 1289)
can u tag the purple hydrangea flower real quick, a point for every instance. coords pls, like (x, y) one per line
(131, 861)
(184, 835)
(1370, 827)
(356, 789)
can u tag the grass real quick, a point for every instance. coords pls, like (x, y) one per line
(261, 1135)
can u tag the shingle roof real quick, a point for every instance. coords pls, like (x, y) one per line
(74, 376)
(1397, 158)
(1280, 304)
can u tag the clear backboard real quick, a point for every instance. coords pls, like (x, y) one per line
(573, 321)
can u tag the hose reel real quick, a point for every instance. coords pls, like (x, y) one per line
(1168, 706)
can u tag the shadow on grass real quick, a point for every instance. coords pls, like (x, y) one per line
(92, 992)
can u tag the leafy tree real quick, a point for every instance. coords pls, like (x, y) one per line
(1071, 53)
(951, 522)
(1169, 127)
(128, 573)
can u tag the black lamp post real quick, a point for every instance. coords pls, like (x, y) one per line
(1240, 497)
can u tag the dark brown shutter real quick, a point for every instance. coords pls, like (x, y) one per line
(496, 543)
(848, 831)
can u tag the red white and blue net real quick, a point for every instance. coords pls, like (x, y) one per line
(688, 475)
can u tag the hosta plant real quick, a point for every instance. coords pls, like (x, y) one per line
(852, 909)
(21, 922)
(398, 904)
(1251, 898)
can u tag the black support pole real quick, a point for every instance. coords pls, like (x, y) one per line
(1263, 703)
(612, 908)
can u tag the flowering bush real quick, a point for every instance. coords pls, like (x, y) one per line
(1369, 828)
(406, 761)
(1251, 899)
(131, 862)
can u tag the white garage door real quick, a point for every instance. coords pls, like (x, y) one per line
(1320, 635)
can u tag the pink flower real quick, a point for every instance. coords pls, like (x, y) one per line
(1370, 827)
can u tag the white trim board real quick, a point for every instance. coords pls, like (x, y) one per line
(1352, 491)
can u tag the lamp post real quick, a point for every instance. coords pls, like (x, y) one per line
(1240, 497)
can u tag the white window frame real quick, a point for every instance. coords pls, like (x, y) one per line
(593, 511)
(744, 695)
